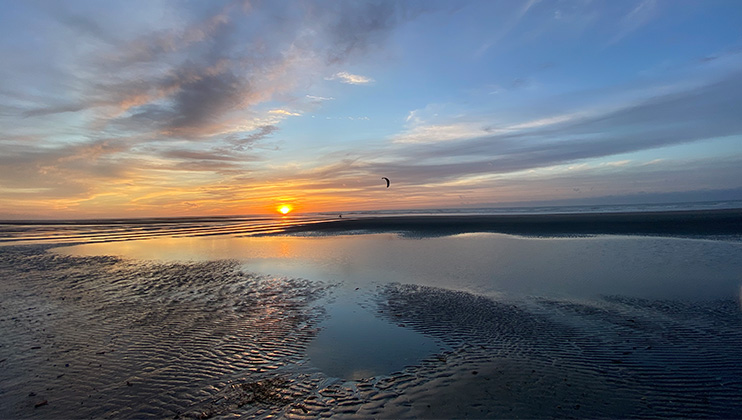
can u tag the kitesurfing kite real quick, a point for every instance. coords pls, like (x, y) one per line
(387, 181)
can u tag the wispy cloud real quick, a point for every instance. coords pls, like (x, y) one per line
(284, 112)
(319, 99)
(421, 131)
(355, 27)
(352, 79)
(509, 24)
(669, 119)
(436, 133)
(246, 141)
(638, 17)
(64, 171)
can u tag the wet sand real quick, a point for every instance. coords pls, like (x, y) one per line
(111, 337)
(539, 358)
(678, 223)
(102, 337)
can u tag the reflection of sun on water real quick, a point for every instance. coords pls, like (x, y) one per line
(284, 209)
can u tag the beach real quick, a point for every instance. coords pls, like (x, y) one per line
(371, 209)
(625, 315)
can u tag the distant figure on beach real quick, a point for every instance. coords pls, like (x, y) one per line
(387, 181)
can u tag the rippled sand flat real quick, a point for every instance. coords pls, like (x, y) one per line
(108, 337)
(616, 357)
(103, 337)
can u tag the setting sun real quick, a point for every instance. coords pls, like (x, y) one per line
(284, 209)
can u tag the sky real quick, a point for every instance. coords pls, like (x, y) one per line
(147, 108)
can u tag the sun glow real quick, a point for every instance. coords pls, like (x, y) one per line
(284, 209)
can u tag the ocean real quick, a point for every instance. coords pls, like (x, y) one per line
(109, 230)
(618, 312)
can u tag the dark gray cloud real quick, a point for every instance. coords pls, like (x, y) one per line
(55, 109)
(198, 92)
(356, 25)
(202, 99)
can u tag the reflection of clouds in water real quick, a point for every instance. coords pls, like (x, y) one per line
(354, 343)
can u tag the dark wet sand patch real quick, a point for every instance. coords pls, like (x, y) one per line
(696, 223)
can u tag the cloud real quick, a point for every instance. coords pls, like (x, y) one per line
(507, 26)
(203, 98)
(441, 133)
(420, 131)
(176, 87)
(543, 122)
(352, 79)
(696, 114)
(319, 99)
(64, 171)
(162, 44)
(198, 93)
(86, 26)
(638, 17)
(354, 27)
(726, 54)
(284, 112)
(185, 154)
(56, 109)
(202, 74)
(247, 141)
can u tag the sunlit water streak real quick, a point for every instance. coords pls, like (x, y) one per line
(107, 230)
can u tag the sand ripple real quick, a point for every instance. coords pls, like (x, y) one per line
(617, 357)
(102, 337)
(544, 358)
